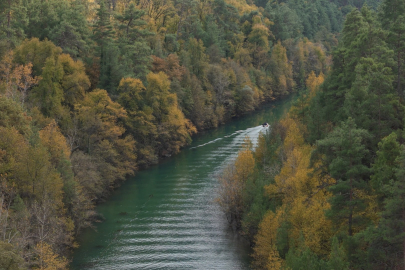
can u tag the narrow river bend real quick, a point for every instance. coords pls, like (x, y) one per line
(166, 216)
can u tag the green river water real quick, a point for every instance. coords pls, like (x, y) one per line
(166, 216)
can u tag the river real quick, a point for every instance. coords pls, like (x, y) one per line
(166, 216)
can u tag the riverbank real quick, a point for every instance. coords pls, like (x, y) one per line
(166, 216)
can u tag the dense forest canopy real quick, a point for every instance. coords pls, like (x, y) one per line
(326, 188)
(92, 90)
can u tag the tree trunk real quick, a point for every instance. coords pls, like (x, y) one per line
(403, 241)
(403, 244)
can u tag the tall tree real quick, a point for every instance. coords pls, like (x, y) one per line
(393, 20)
(72, 31)
(195, 58)
(362, 37)
(281, 70)
(174, 129)
(385, 164)
(103, 34)
(392, 222)
(371, 101)
(141, 122)
(36, 52)
(12, 20)
(135, 52)
(102, 136)
(344, 151)
(287, 24)
(49, 93)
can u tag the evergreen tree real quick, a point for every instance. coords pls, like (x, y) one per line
(287, 24)
(362, 38)
(302, 258)
(103, 34)
(41, 16)
(226, 18)
(135, 52)
(337, 258)
(385, 164)
(12, 21)
(72, 31)
(344, 152)
(372, 101)
(393, 20)
(392, 223)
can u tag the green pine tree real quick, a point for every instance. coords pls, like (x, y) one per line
(345, 151)
(134, 50)
(103, 34)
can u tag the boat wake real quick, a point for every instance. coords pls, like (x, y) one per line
(210, 142)
(252, 133)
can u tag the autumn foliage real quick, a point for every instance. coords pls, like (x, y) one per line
(91, 91)
(328, 187)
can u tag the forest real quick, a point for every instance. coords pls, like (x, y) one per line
(93, 90)
(325, 188)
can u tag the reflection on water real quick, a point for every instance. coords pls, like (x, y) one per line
(166, 217)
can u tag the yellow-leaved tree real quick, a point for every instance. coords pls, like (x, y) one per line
(313, 82)
(242, 6)
(281, 70)
(48, 260)
(307, 57)
(173, 128)
(101, 141)
(140, 122)
(266, 255)
(303, 203)
(55, 142)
